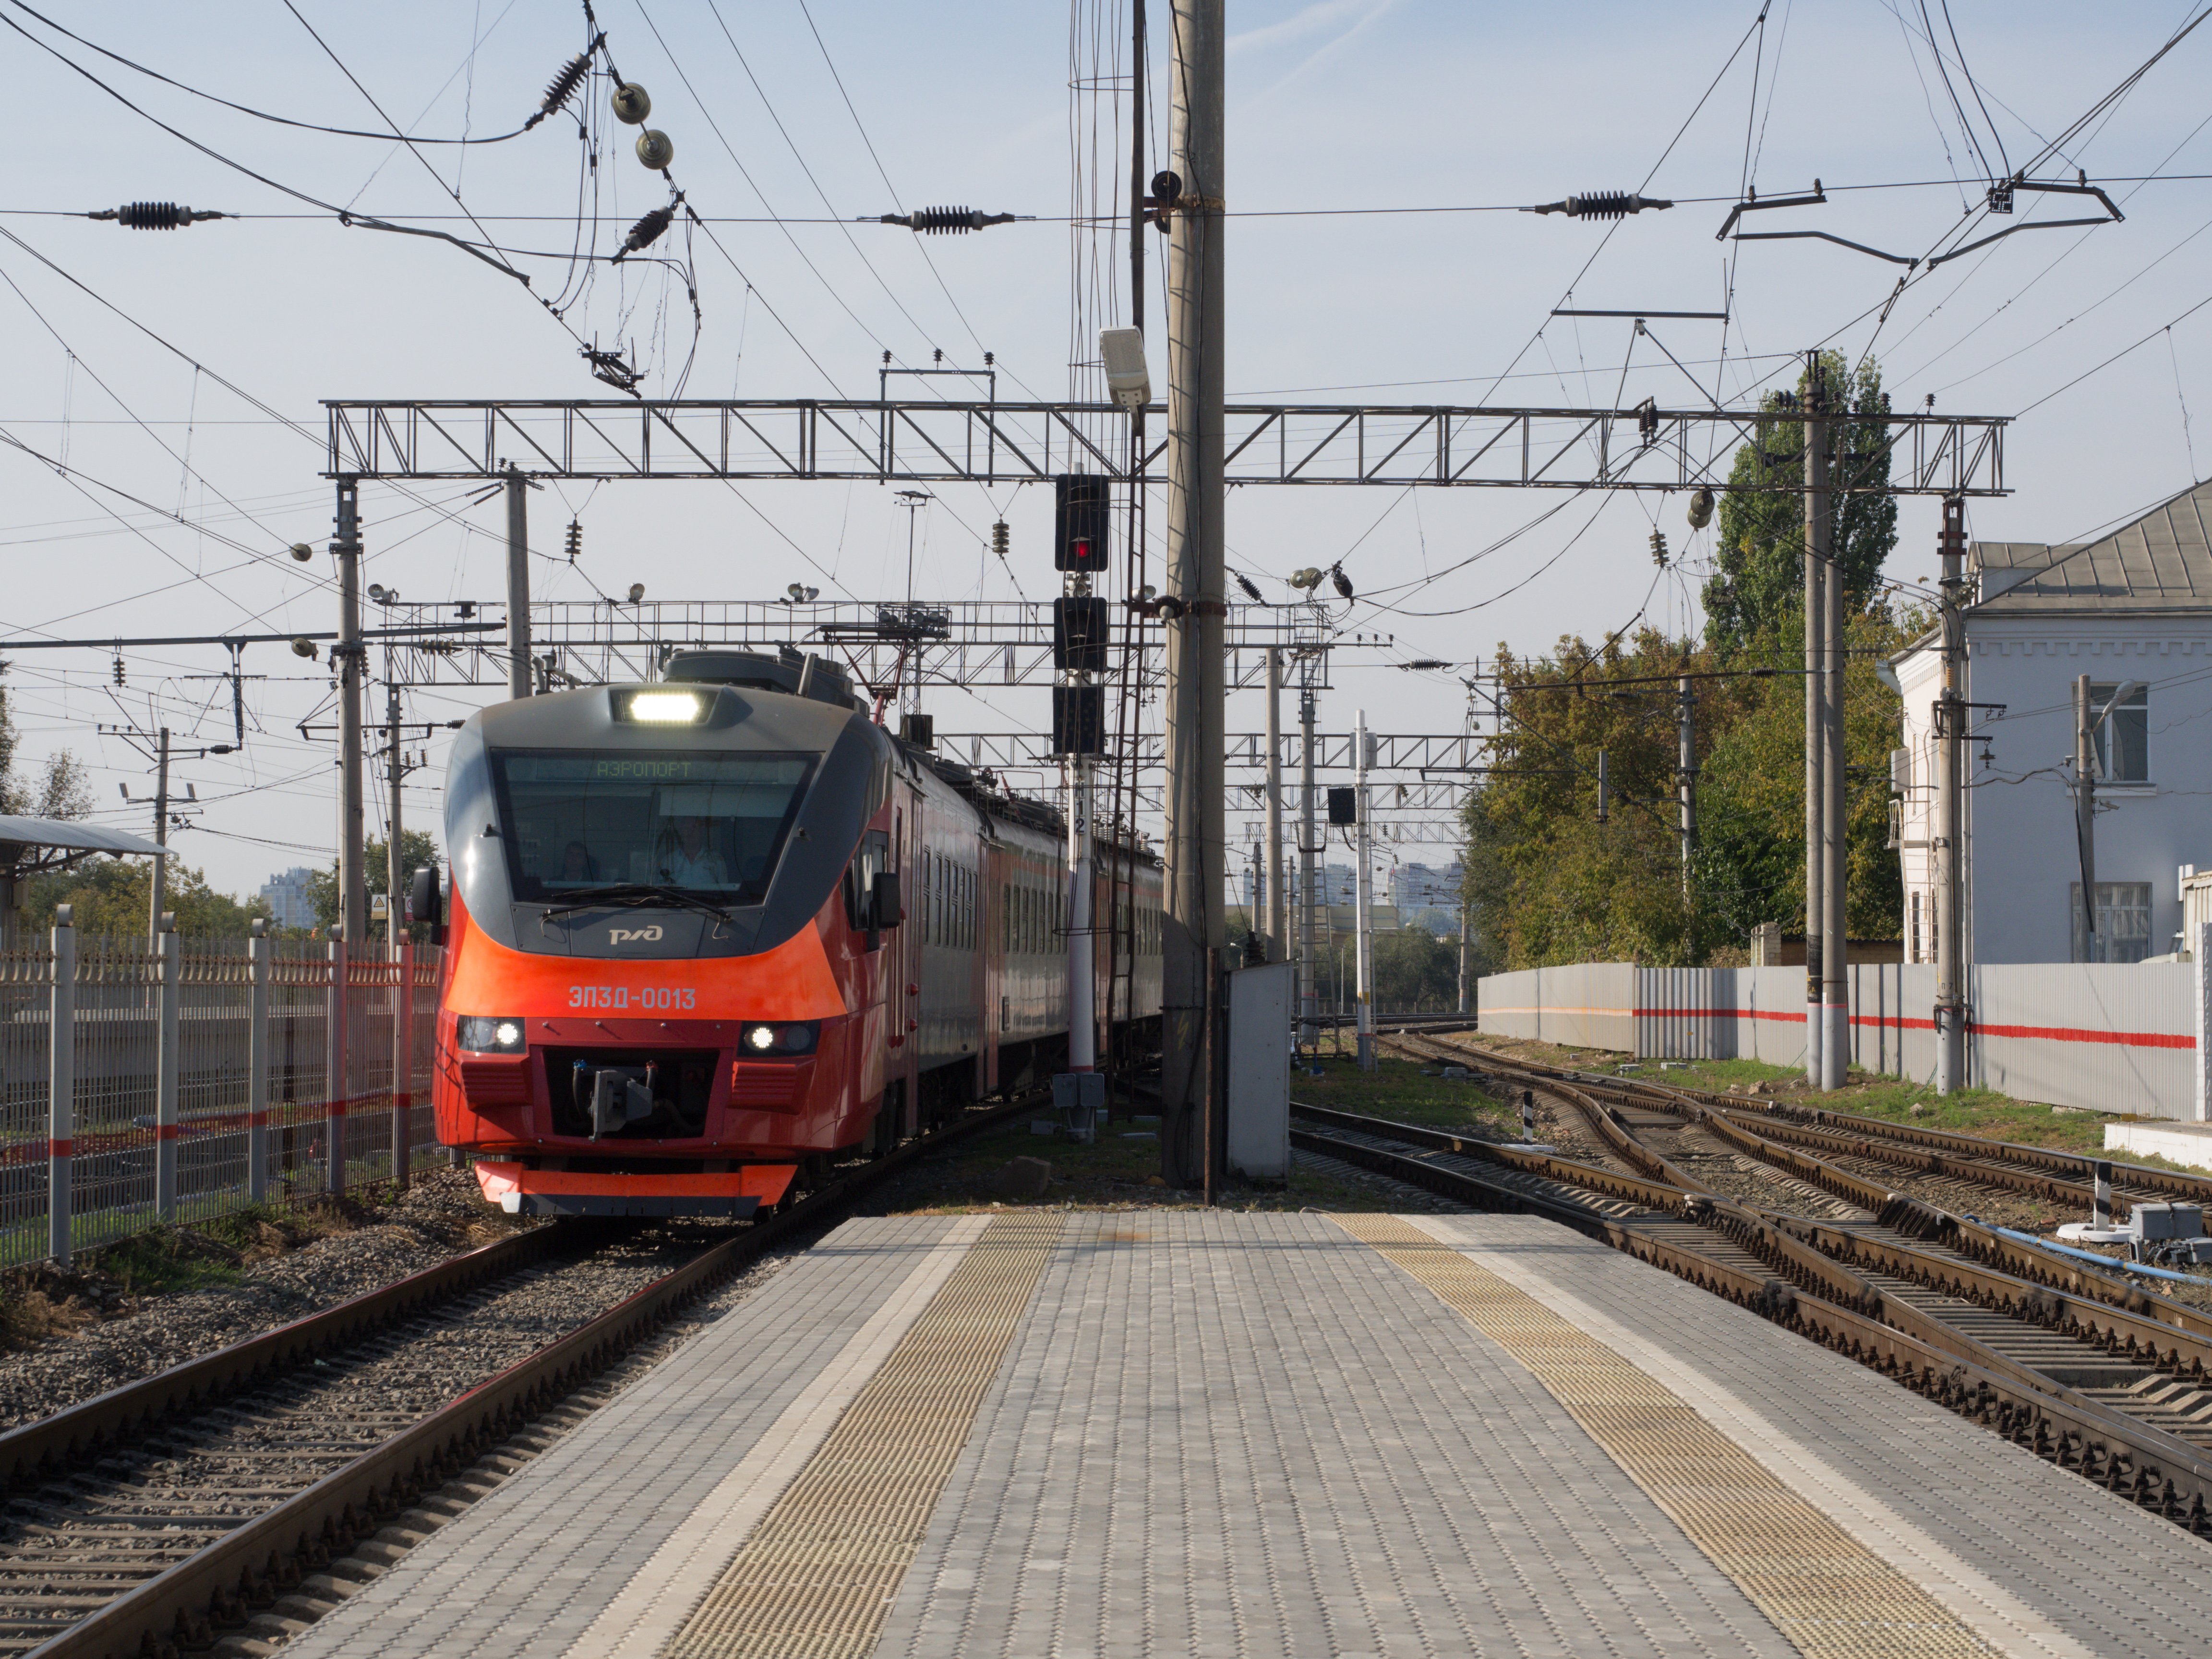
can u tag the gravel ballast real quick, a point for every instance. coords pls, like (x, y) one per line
(440, 1217)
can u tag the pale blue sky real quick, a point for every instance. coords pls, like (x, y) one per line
(1342, 103)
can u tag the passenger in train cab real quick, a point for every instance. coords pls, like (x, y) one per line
(689, 861)
(577, 863)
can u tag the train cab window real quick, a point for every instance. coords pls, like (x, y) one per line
(707, 823)
(872, 857)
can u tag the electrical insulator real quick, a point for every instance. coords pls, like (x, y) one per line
(655, 149)
(562, 87)
(119, 668)
(302, 552)
(156, 215)
(1601, 204)
(947, 221)
(646, 231)
(575, 540)
(1701, 508)
(1659, 548)
(1001, 540)
(630, 103)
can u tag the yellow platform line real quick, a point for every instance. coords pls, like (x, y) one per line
(816, 1577)
(1829, 1595)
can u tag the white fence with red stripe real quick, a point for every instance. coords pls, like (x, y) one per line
(197, 1077)
(2113, 1037)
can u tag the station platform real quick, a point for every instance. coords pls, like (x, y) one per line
(1178, 1432)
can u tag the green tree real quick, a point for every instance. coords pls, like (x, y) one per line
(61, 790)
(1760, 546)
(113, 896)
(417, 849)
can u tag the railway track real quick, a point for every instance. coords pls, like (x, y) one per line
(2111, 1380)
(223, 1493)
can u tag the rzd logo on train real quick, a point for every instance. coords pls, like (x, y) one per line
(623, 935)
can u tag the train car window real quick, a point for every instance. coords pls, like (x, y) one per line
(706, 824)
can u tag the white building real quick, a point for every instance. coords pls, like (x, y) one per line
(290, 903)
(2134, 606)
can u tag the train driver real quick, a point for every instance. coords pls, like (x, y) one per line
(689, 861)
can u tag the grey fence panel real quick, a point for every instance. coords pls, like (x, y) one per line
(118, 1045)
(215, 1086)
(2112, 1037)
(1581, 1006)
(26, 1025)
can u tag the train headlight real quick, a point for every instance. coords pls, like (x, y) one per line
(486, 1034)
(767, 1042)
(666, 708)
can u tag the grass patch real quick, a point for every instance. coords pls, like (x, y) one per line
(1982, 1112)
(1115, 1173)
(1398, 1090)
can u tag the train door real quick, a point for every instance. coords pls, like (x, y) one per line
(991, 955)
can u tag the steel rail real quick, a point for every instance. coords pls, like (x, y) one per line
(257, 1562)
(2129, 1458)
(2154, 1331)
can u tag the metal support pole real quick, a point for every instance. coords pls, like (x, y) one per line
(161, 884)
(257, 1064)
(169, 951)
(1309, 865)
(335, 1081)
(1082, 954)
(518, 584)
(1363, 900)
(1948, 849)
(2085, 811)
(1815, 614)
(1685, 773)
(61, 1087)
(1278, 909)
(403, 1062)
(1835, 861)
(1466, 981)
(1196, 691)
(351, 655)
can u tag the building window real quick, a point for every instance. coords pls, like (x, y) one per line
(2123, 922)
(2124, 738)
(1917, 955)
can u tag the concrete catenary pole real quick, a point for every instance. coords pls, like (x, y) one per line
(1835, 991)
(1815, 611)
(1278, 923)
(2085, 811)
(1309, 865)
(402, 953)
(1686, 773)
(517, 583)
(1196, 702)
(161, 839)
(1465, 940)
(353, 808)
(1363, 901)
(1950, 744)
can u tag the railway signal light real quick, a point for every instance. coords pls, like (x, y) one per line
(1082, 504)
(1079, 720)
(1078, 634)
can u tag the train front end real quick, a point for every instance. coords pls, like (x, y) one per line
(663, 956)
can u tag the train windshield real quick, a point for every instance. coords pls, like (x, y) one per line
(709, 824)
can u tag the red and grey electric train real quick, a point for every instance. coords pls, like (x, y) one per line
(705, 932)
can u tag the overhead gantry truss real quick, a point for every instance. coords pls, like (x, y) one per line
(937, 440)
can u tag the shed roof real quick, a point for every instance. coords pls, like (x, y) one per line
(2159, 562)
(73, 835)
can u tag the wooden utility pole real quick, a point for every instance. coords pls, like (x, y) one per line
(1196, 691)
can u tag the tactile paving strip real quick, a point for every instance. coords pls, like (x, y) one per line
(1830, 1595)
(816, 1577)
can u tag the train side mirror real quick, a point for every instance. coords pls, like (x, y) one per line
(426, 904)
(885, 908)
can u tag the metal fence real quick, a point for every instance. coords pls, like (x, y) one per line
(194, 1078)
(2111, 1037)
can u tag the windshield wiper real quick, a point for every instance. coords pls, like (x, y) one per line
(638, 895)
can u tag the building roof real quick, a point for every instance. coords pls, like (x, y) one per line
(2161, 561)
